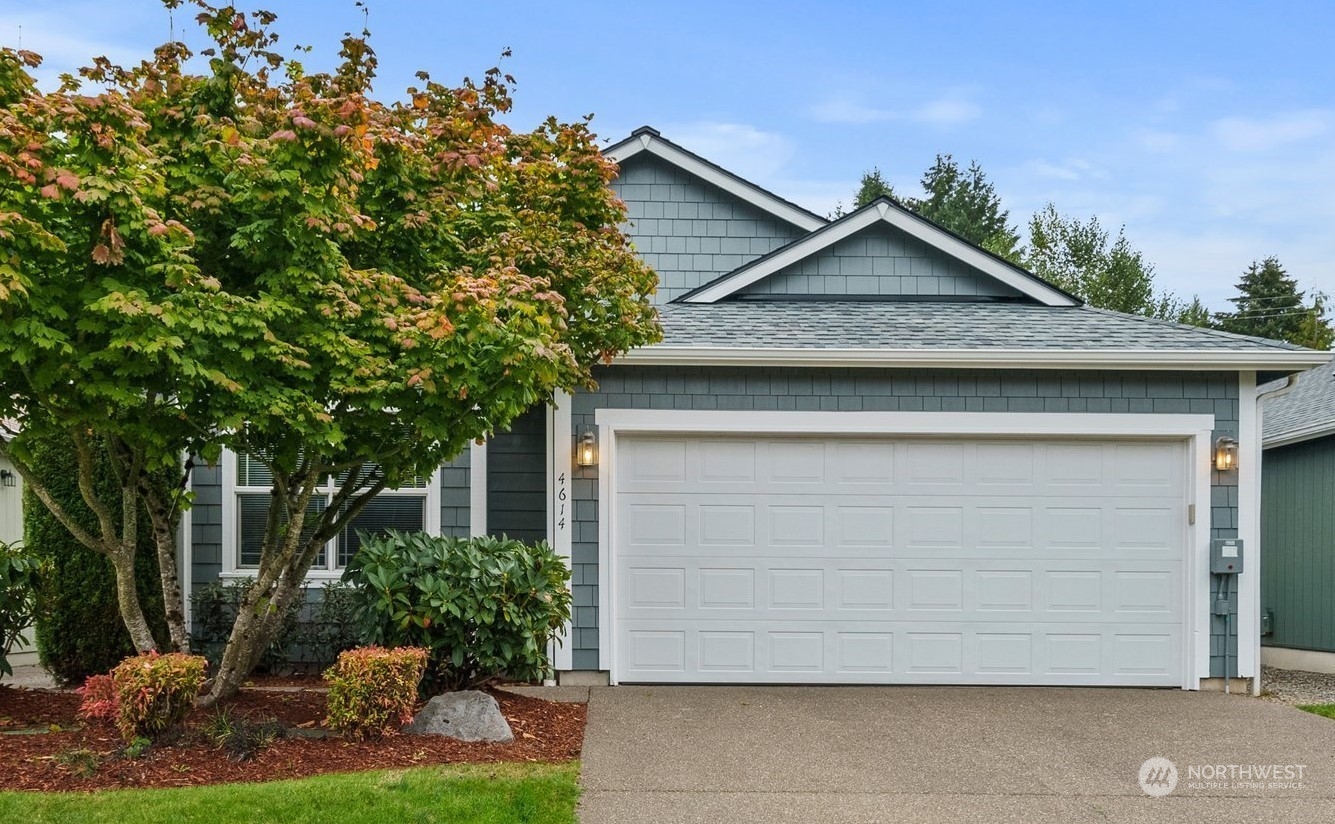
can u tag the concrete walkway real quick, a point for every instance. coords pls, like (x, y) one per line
(928, 754)
(30, 676)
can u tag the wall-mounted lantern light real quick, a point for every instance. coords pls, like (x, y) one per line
(586, 449)
(8, 478)
(1225, 454)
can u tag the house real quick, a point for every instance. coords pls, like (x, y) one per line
(866, 451)
(11, 532)
(1298, 523)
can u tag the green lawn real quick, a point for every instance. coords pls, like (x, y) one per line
(1328, 710)
(463, 794)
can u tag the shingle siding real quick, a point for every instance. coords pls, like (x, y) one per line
(689, 231)
(887, 390)
(883, 262)
(455, 500)
(517, 478)
(206, 526)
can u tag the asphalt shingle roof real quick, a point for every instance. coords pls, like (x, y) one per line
(1308, 406)
(928, 325)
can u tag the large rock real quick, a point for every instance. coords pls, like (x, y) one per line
(468, 716)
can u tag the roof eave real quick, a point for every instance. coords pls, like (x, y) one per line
(1147, 359)
(1307, 433)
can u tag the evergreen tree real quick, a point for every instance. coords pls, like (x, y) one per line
(966, 203)
(874, 185)
(1270, 305)
(1192, 314)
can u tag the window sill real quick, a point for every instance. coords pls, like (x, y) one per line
(318, 576)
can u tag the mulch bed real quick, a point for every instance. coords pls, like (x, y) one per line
(67, 753)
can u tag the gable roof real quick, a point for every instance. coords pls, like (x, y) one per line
(649, 140)
(994, 335)
(882, 210)
(1305, 412)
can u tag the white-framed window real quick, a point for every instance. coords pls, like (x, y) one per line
(245, 508)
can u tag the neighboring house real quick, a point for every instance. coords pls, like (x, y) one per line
(866, 451)
(11, 531)
(1298, 524)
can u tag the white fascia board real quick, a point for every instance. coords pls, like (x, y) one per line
(906, 222)
(754, 195)
(1054, 424)
(1155, 359)
(1307, 433)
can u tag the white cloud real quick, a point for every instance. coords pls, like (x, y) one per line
(1157, 141)
(819, 196)
(847, 110)
(947, 111)
(744, 150)
(1072, 169)
(951, 109)
(1241, 134)
(126, 34)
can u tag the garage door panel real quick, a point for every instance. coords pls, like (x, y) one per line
(854, 560)
(901, 652)
(831, 589)
(919, 526)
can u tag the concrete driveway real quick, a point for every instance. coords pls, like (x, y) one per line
(948, 754)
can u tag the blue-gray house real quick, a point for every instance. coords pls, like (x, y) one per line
(1298, 522)
(866, 451)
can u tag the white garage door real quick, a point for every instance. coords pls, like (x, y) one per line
(865, 560)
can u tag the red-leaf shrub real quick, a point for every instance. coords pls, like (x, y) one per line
(372, 690)
(99, 699)
(156, 691)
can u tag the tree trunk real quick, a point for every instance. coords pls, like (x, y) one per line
(173, 607)
(257, 617)
(127, 597)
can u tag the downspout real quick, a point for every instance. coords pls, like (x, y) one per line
(1261, 397)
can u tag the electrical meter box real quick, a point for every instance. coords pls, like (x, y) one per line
(1226, 556)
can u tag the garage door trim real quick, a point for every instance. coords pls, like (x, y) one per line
(1195, 430)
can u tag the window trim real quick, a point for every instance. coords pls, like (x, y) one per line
(231, 513)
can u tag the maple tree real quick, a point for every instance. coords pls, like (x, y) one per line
(274, 261)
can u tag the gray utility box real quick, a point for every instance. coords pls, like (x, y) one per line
(1226, 556)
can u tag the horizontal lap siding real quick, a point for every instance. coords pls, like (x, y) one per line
(785, 388)
(1298, 544)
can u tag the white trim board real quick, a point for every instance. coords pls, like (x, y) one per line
(1196, 430)
(649, 141)
(561, 508)
(1148, 359)
(904, 423)
(882, 211)
(477, 489)
(1248, 621)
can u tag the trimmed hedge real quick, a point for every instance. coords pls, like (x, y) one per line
(484, 608)
(372, 690)
(79, 629)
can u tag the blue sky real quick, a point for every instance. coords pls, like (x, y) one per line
(1206, 128)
